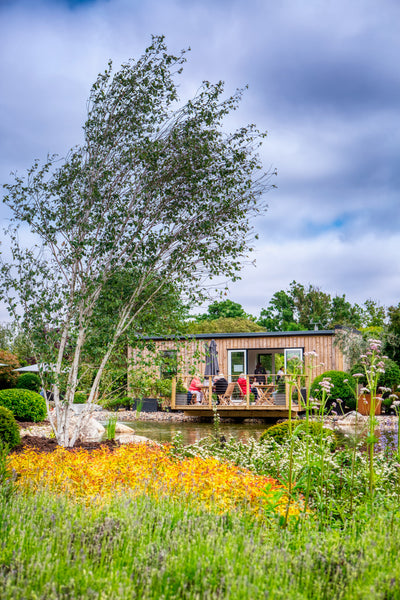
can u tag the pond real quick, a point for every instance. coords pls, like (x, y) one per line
(164, 431)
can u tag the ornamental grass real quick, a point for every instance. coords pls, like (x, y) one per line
(138, 469)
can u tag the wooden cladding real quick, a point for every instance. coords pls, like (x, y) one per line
(191, 353)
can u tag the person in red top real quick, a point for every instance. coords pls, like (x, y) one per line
(195, 389)
(242, 383)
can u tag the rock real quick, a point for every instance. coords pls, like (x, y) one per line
(352, 418)
(92, 430)
(121, 428)
(125, 438)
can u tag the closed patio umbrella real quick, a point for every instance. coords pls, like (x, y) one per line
(212, 367)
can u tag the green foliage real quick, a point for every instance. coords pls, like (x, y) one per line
(24, 404)
(216, 556)
(225, 325)
(110, 427)
(116, 402)
(9, 430)
(29, 381)
(390, 378)
(159, 196)
(8, 377)
(226, 309)
(392, 341)
(342, 389)
(280, 432)
(80, 397)
(301, 308)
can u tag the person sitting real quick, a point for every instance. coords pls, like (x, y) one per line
(242, 383)
(280, 374)
(254, 388)
(220, 384)
(260, 372)
(195, 389)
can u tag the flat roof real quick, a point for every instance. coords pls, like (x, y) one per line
(257, 334)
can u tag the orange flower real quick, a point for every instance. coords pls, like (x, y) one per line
(149, 469)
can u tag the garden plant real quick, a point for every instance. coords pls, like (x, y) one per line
(290, 516)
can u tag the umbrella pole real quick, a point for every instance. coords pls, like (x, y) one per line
(210, 392)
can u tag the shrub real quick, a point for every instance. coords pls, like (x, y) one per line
(9, 430)
(164, 387)
(24, 404)
(80, 398)
(115, 403)
(8, 377)
(280, 431)
(29, 381)
(390, 378)
(345, 390)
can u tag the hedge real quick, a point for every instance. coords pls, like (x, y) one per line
(24, 404)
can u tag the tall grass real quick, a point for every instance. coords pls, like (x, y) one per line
(55, 549)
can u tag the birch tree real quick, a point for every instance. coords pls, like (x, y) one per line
(158, 189)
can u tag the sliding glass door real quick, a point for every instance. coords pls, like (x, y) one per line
(237, 364)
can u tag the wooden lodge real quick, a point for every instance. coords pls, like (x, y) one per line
(238, 354)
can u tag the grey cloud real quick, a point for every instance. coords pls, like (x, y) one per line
(323, 80)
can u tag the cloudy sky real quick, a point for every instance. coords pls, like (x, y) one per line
(324, 81)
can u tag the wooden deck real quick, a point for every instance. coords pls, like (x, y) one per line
(240, 411)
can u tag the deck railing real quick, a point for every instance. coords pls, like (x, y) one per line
(273, 390)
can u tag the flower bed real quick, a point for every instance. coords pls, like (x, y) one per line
(151, 470)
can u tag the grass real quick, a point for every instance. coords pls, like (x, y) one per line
(137, 548)
(111, 427)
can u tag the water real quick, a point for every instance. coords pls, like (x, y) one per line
(164, 431)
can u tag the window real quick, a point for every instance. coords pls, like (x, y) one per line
(237, 364)
(168, 364)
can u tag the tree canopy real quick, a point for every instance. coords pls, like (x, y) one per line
(308, 307)
(158, 189)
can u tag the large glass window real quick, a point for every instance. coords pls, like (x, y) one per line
(293, 353)
(237, 364)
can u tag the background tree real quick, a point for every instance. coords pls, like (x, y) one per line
(374, 315)
(224, 325)
(280, 313)
(225, 309)
(342, 312)
(157, 186)
(392, 341)
(8, 377)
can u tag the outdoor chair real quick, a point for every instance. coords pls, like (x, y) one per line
(265, 396)
(225, 399)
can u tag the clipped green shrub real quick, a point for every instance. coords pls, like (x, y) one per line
(24, 404)
(9, 430)
(29, 381)
(280, 431)
(80, 398)
(344, 387)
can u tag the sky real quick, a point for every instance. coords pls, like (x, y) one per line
(323, 80)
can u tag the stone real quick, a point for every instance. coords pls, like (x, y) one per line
(92, 430)
(121, 428)
(125, 438)
(352, 418)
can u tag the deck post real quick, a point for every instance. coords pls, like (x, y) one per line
(210, 392)
(247, 392)
(173, 393)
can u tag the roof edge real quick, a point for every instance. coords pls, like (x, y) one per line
(257, 334)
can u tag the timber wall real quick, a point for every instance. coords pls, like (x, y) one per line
(191, 352)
